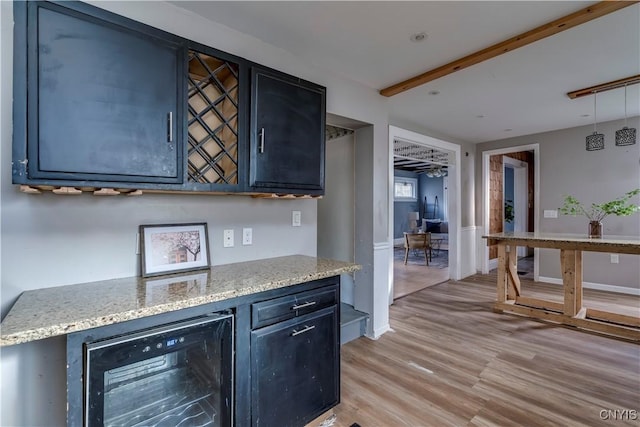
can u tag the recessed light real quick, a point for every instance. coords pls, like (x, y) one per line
(480, 116)
(418, 37)
(434, 92)
(584, 115)
(508, 130)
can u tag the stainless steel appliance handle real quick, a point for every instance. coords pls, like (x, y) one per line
(306, 304)
(170, 126)
(262, 140)
(302, 331)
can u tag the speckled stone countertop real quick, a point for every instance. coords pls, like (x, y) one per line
(49, 312)
(622, 244)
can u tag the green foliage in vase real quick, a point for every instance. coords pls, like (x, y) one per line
(597, 212)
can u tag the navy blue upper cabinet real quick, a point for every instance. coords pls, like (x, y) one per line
(287, 133)
(101, 100)
(97, 97)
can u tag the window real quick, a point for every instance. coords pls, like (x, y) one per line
(405, 189)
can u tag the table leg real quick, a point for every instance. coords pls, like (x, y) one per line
(502, 272)
(571, 263)
(513, 281)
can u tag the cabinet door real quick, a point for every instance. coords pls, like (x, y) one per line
(103, 98)
(287, 133)
(295, 369)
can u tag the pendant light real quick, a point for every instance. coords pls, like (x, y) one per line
(595, 141)
(625, 136)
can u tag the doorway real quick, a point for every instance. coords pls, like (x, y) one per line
(336, 210)
(515, 197)
(417, 147)
(493, 202)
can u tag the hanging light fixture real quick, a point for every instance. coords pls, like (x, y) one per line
(625, 136)
(436, 172)
(595, 141)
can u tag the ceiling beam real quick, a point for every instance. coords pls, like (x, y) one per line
(554, 27)
(605, 86)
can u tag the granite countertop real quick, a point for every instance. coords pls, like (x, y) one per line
(44, 313)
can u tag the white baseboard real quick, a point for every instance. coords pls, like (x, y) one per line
(377, 333)
(596, 286)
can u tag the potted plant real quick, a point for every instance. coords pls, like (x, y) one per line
(597, 212)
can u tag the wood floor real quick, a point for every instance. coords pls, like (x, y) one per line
(410, 278)
(451, 361)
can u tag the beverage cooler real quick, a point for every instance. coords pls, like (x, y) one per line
(179, 374)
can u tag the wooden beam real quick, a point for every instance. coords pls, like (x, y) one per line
(593, 325)
(603, 87)
(540, 303)
(622, 319)
(554, 27)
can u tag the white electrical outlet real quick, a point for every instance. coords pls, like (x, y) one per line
(551, 213)
(247, 236)
(296, 218)
(227, 240)
(615, 259)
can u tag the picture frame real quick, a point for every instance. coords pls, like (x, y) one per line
(171, 248)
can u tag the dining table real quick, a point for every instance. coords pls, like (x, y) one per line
(572, 310)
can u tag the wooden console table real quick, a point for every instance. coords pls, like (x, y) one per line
(571, 311)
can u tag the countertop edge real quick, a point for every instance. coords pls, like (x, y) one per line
(61, 329)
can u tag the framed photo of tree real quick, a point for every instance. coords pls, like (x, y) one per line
(171, 248)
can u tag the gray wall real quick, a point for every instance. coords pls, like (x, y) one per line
(593, 177)
(50, 240)
(401, 209)
(336, 210)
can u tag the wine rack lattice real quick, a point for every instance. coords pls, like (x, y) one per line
(213, 120)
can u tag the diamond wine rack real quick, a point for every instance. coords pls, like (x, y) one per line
(213, 120)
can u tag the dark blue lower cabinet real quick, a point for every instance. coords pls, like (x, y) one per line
(295, 369)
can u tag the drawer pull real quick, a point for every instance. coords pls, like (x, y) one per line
(262, 140)
(170, 127)
(306, 304)
(302, 331)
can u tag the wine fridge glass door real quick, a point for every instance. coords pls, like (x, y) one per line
(175, 375)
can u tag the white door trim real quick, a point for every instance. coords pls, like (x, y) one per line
(485, 198)
(454, 196)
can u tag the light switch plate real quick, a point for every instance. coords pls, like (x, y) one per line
(296, 218)
(550, 213)
(615, 259)
(227, 240)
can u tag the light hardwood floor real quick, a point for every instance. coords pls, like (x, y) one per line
(411, 277)
(451, 361)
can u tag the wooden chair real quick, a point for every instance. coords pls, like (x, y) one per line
(417, 241)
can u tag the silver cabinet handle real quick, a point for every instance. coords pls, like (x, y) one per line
(302, 331)
(306, 304)
(170, 126)
(262, 140)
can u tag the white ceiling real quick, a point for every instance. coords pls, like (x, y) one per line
(524, 90)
